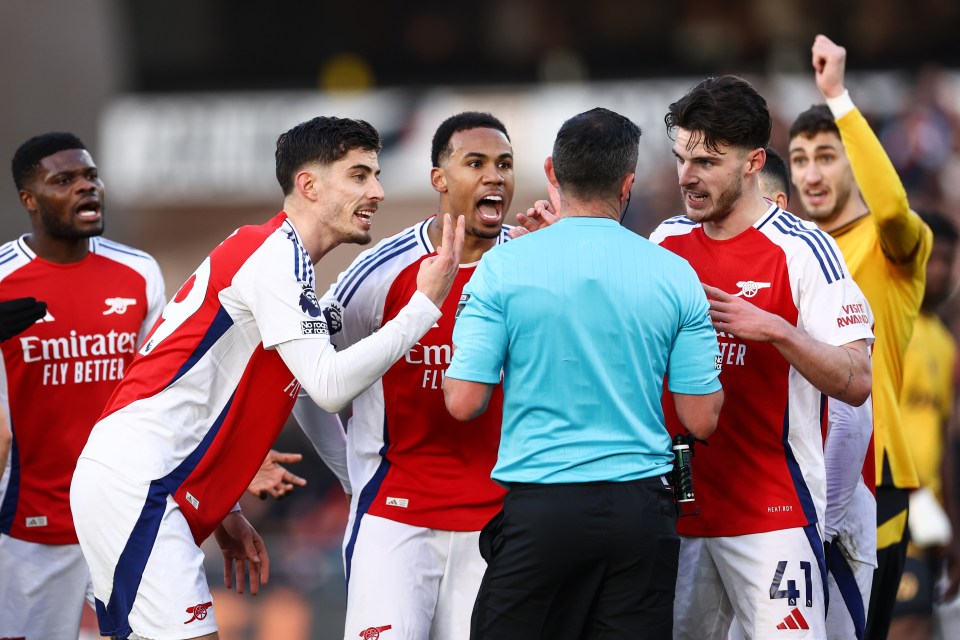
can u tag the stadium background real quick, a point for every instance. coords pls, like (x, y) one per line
(181, 101)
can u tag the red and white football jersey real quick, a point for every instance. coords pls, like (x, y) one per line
(208, 393)
(59, 373)
(763, 470)
(407, 457)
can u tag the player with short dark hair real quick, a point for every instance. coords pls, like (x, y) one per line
(214, 383)
(420, 481)
(101, 298)
(850, 189)
(792, 324)
(775, 179)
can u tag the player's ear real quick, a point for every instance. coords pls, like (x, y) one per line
(438, 180)
(28, 200)
(755, 160)
(626, 185)
(306, 184)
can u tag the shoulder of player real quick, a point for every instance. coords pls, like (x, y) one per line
(379, 265)
(673, 226)
(13, 255)
(802, 242)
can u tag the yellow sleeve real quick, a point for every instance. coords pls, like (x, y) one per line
(901, 231)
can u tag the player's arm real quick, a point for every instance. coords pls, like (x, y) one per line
(334, 378)
(842, 372)
(901, 231)
(325, 432)
(848, 438)
(466, 399)
(699, 413)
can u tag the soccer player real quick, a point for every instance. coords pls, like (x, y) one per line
(851, 507)
(926, 405)
(101, 300)
(792, 324)
(214, 383)
(584, 319)
(775, 179)
(421, 479)
(849, 188)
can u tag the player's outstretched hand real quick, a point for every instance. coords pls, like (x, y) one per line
(829, 62)
(243, 553)
(542, 214)
(273, 479)
(437, 272)
(18, 314)
(735, 316)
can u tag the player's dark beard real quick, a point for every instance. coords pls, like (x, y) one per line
(60, 230)
(726, 199)
(484, 232)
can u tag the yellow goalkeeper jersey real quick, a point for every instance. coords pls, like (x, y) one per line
(886, 252)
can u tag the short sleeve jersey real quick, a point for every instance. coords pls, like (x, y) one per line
(409, 459)
(584, 319)
(208, 393)
(59, 373)
(763, 468)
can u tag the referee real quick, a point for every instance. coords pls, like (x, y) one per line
(585, 319)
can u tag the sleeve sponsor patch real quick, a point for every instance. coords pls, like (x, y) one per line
(464, 298)
(853, 314)
(314, 328)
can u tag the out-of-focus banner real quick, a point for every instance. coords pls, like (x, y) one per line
(218, 149)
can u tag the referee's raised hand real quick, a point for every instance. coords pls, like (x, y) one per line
(18, 314)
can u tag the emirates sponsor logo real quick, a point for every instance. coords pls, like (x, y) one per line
(77, 345)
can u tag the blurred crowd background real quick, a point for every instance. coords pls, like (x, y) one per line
(180, 102)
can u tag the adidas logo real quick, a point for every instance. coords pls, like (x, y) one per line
(794, 620)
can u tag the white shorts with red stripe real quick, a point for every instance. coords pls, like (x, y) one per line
(768, 582)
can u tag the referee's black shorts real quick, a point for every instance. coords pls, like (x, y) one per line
(590, 560)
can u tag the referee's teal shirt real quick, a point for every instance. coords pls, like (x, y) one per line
(584, 319)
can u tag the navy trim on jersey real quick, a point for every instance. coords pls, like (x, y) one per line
(175, 478)
(113, 618)
(110, 245)
(424, 236)
(814, 238)
(9, 507)
(770, 217)
(24, 248)
(680, 220)
(816, 543)
(365, 499)
(849, 591)
(799, 484)
(221, 323)
(8, 255)
(355, 278)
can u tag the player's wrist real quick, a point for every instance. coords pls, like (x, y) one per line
(840, 104)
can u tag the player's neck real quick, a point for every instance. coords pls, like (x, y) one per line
(744, 214)
(56, 250)
(854, 209)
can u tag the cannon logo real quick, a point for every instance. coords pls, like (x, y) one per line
(373, 633)
(198, 611)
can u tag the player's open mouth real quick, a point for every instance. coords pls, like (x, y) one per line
(88, 210)
(815, 195)
(490, 208)
(365, 218)
(695, 198)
